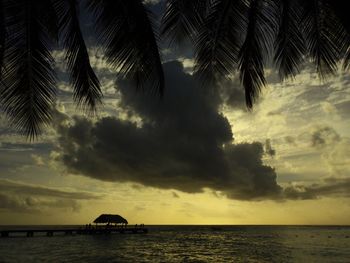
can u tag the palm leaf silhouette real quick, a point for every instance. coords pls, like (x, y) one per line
(325, 35)
(28, 92)
(218, 41)
(182, 19)
(289, 44)
(347, 59)
(2, 36)
(261, 22)
(341, 11)
(127, 33)
(86, 86)
(228, 35)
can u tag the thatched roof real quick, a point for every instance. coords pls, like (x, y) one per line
(117, 219)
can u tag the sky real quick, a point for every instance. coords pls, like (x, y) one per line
(196, 156)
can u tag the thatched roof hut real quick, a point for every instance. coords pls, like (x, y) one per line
(107, 219)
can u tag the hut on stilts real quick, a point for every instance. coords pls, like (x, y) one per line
(111, 221)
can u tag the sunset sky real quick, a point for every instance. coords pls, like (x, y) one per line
(196, 156)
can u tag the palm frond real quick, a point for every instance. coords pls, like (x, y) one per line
(28, 92)
(86, 86)
(2, 36)
(326, 37)
(218, 43)
(346, 64)
(289, 44)
(341, 9)
(182, 19)
(261, 25)
(127, 33)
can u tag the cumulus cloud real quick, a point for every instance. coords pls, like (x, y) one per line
(19, 197)
(182, 143)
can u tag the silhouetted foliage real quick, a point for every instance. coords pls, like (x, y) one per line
(244, 34)
(227, 35)
(85, 83)
(28, 76)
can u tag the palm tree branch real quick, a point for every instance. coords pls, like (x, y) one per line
(182, 19)
(86, 86)
(127, 33)
(28, 92)
(3, 35)
(289, 43)
(259, 37)
(218, 43)
(326, 37)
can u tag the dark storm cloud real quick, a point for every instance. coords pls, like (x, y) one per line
(18, 197)
(324, 136)
(233, 93)
(183, 143)
(336, 187)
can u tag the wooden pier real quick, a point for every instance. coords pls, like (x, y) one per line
(73, 231)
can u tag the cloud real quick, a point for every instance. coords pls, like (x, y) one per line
(26, 198)
(28, 189)
(38, 160)
(182, 143)
(336, 187)
(233, 93)
(338, 158)
(323, 136)
(22, 204)
(268, 148)
(152, 2)
(290, 140)
(175, 195)
(24, 147)
(343, 108)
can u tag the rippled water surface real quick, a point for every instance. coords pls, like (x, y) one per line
(188, 244)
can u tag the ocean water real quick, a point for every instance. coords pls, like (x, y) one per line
(188, 244)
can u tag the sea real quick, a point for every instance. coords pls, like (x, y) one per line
(186, 244)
